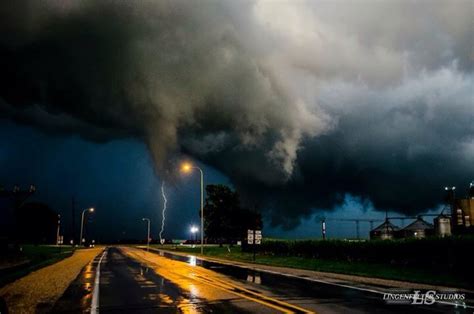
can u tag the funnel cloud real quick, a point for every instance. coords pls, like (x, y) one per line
(298, 103)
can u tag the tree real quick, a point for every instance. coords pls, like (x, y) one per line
(225, 219)
(36, 223)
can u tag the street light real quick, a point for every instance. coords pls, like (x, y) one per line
(90, 210)
(452, 190)
(148, 234)
(194, 229)
(58, 229)
(186, 168)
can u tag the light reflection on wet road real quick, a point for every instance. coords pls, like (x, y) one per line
(78, 295)
(136, 281)
(315, 296)
(126, 285)
(203, 287)
(130, 286)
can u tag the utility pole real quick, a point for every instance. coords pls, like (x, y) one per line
(148, 234)
(57, 231)
(451, 198)
(186, 167)
(58, 235)
(357, 229)
(73, 220)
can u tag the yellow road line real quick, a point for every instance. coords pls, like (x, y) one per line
(256, 297)
(202, 277)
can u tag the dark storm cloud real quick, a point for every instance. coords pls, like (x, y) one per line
(297, 103)
(161, 70)
(396, 148)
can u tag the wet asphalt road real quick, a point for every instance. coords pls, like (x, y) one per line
(128, 286)
(166, 283)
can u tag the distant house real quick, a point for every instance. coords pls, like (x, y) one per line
(417, 229)
(385, 231)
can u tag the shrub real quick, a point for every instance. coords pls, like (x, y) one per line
(449, 254)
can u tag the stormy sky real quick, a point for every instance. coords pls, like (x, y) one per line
(300, 105)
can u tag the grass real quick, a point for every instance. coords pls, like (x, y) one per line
(37, 256)
(375, 270)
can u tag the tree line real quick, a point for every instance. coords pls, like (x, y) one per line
(226, 219)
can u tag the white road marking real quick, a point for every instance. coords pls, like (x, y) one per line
(253, 268)
(95, 295)
(339, 284)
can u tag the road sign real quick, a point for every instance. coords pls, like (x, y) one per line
(250, 236)
(254, 236)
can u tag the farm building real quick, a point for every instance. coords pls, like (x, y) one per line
(385, 231)
(417, 229)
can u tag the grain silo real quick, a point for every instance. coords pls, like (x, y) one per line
(417, 229)
(385, 231)
(442, 225)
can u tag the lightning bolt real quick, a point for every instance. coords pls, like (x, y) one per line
(165, 200)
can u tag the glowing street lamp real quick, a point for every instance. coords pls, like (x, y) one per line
(194, 230)
(90, 210)
(451, 196)
(186, 168)
(451, 190)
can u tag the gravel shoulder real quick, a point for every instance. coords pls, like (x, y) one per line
(38, 291)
